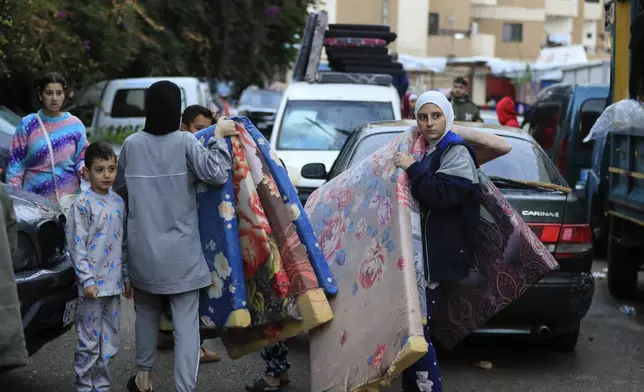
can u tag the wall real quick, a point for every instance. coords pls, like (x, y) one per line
(569, 8)
(526, 50)
(589, 36)
(558, 25)
(412, 19)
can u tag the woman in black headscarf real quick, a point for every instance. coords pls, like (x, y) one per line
(159, 169)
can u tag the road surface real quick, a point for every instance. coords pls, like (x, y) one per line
(608, 359)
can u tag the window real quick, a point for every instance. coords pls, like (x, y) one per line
(131, 103)
(544, 125)
(433, 28)
(588, 115)
(326, 125)
(525, 162)
(371, 144)
(261, 98)
(384, 19)
(512, 32)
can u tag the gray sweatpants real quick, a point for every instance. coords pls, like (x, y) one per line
(97, 325)
(185, 314)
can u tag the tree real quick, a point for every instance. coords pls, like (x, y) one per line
(104, 39)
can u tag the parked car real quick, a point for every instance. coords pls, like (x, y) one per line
(260, 107)
(315, 119)
(43, 269)
(9, 121)
(560, 120)
(115, 109)
(554, 307)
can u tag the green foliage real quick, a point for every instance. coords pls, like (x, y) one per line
(93, 40)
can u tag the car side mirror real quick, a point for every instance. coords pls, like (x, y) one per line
(314, 171)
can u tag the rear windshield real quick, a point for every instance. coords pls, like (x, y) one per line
(525, 162)
(131, 103)
(326, 125)
(261, 98)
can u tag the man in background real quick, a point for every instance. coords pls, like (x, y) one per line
(464, 108)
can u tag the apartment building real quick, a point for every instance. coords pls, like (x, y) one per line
(508, 29)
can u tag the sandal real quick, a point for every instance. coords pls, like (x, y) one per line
(207, 356)
(261, 385)
(132, 387)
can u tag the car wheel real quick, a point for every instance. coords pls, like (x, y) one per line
(566, 342)
(622, 271)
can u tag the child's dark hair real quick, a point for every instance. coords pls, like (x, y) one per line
(98, 150)
(51, 77)
(193, 111)
(460, 80)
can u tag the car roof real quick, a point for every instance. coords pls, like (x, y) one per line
(147, 82)
(402, 125)
(304, 91)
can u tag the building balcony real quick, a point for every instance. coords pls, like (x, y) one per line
(454, 43)
(484, 2)
(593, 11)
(567, 8)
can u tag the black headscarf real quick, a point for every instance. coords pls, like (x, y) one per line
(163, 108)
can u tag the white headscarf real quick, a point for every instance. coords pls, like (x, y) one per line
(440, 100)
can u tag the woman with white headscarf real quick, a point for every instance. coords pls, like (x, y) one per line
(445, 184)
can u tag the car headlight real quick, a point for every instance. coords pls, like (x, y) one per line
(24, 256)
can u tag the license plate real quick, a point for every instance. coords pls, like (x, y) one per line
(71, 308)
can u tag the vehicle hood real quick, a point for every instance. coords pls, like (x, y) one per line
(30, 207)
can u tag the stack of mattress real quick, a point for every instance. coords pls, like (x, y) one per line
(354, 48)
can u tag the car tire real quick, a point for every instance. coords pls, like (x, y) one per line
(359, 50)
(359, 27)
(384, 35)
(344, 56)
(372, 70)
(567, 342)
(622, 271)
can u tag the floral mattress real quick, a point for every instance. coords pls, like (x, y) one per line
(269, 277)
(369, 231)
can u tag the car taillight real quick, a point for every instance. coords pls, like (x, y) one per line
(564, 241)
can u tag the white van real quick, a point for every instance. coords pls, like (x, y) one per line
(315, 119)
(115, 109)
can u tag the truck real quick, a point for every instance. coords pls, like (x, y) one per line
(615, 186)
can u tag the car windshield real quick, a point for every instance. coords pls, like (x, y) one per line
(326, 125)
(9, 121)
(9, 116)
(261, 98)
(524, 163)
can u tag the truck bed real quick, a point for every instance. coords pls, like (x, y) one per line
(626, 175)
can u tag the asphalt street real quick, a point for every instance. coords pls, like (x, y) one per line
(608, 359)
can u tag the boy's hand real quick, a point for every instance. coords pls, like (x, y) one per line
(225, 128)
(128, 292)
(403, 160)
(91, 292)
